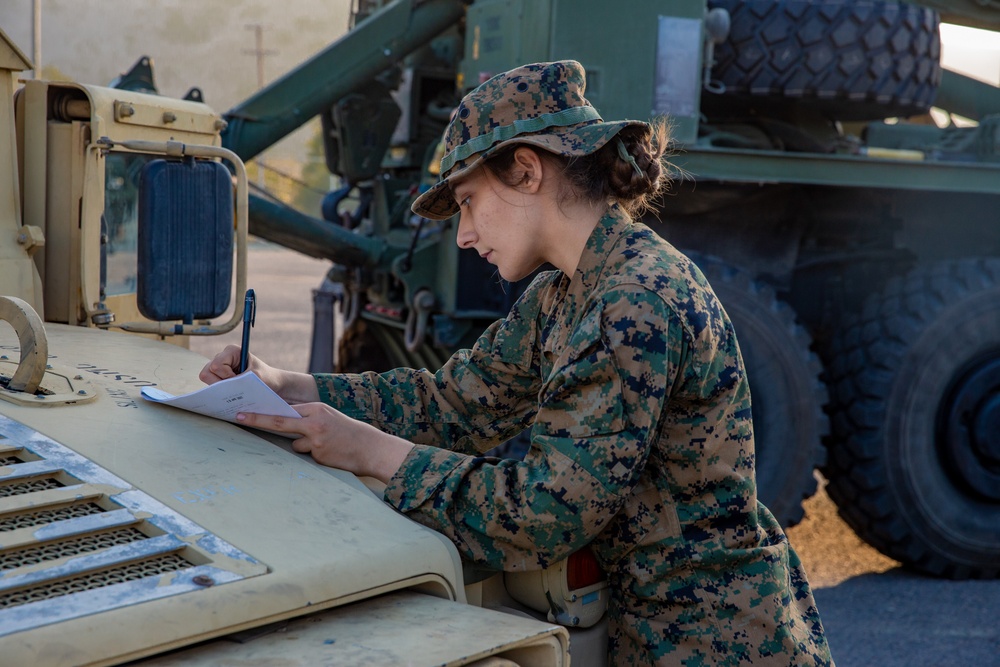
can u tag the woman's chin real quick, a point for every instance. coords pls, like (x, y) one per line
(509, 276)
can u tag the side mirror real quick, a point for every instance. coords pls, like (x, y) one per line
(185, 240)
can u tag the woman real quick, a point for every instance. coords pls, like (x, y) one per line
(623, 365)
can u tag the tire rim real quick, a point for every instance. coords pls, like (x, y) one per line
(968, 427)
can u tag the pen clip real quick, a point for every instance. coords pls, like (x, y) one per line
(250, 304)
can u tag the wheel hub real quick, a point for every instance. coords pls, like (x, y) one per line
(969, 429)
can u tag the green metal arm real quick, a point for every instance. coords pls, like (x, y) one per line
(983, 14)
(376, 44)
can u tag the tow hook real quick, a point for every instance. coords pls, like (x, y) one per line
(416, 321)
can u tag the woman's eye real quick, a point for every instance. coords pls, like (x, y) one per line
(464, 202)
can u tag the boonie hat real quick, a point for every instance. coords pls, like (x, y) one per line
(540, 104)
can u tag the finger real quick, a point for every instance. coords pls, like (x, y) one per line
(301, 445)
(270, 422)
(222, 366)
(209, 374)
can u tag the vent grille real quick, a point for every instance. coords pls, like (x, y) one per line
(72, 528)
(118, 575)
(23, 487)
(71, 547)
(27, 519)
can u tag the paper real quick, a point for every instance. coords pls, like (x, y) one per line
(224, 399)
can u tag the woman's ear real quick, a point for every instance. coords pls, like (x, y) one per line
(531, 168)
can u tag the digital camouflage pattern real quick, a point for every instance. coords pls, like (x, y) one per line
(540, 104)
(631, 381)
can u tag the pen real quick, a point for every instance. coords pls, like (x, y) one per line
(249, 315)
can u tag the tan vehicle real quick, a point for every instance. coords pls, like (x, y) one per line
(134, 531)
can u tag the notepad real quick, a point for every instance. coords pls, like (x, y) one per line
(224, 399)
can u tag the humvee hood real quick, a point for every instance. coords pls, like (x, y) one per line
(134, 527)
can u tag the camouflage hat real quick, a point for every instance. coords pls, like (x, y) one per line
(541, 104)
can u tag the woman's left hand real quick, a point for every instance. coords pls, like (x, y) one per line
(336, 440)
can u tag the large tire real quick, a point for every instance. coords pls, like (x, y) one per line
(849, 60)
(786, 392)
(914, 461)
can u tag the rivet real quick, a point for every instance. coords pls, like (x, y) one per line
(48, 365)
(3, 356)
(82, 392)
(203, 580)
(77, 377)
(40, 396)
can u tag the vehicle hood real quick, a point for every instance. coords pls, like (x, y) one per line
(128, 527)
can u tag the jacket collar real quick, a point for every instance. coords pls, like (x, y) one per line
(600, 245)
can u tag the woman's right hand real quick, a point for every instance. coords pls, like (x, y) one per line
(226, 365)
(291, 386)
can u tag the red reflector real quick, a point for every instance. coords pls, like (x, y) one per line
(582, 570)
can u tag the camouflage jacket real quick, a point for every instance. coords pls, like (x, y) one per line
(631, 381)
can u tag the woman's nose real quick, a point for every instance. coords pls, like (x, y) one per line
(466, 237)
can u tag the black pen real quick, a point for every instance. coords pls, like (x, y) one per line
(249, 315)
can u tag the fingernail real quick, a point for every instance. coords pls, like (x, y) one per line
(240, 417)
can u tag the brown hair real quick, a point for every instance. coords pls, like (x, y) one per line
(604, 175)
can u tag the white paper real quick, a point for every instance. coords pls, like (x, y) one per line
(224, 399)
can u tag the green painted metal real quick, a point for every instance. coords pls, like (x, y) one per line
(640, 63)
(347, 65)
(982, 14)
(313, 237)
(966, 96)
(753, 166)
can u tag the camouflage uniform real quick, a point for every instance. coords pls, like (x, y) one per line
(631, 381)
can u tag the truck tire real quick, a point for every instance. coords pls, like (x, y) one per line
(848, 60)
(785, 387)
(914, 461)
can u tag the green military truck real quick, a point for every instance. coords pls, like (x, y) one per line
(852, 239)
(137, 533)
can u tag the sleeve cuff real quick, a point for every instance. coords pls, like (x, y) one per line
(347, 393)
(424, 470)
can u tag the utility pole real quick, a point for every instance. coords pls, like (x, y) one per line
(36, 56)
(260, 53)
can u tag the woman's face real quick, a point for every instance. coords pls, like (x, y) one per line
(496, 221)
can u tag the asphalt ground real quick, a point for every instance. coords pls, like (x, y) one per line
(876, 613)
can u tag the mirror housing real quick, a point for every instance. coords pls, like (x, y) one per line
(185, 240)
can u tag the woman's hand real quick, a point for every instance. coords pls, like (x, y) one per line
(336, 440)
(291, 386)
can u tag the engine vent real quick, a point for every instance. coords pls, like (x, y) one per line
(12, 558)
(130, 572)
(42, 517)
(77, 540)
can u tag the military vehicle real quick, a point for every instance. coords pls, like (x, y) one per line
(850, 237)
(138, 533)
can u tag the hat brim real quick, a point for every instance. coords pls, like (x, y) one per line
(438, 202)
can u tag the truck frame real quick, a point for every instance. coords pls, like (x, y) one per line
(848, 235)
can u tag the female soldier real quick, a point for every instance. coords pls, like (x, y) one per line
(623, 365)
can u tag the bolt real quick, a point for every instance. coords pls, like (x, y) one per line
(77, 377)
(48, 365)
(40, 396)
(203, 580)
(4, 356)
(169, 116)
(126, 110)
(82, 392)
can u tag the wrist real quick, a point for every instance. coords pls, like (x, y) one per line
(295, 387)
(384, 459)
